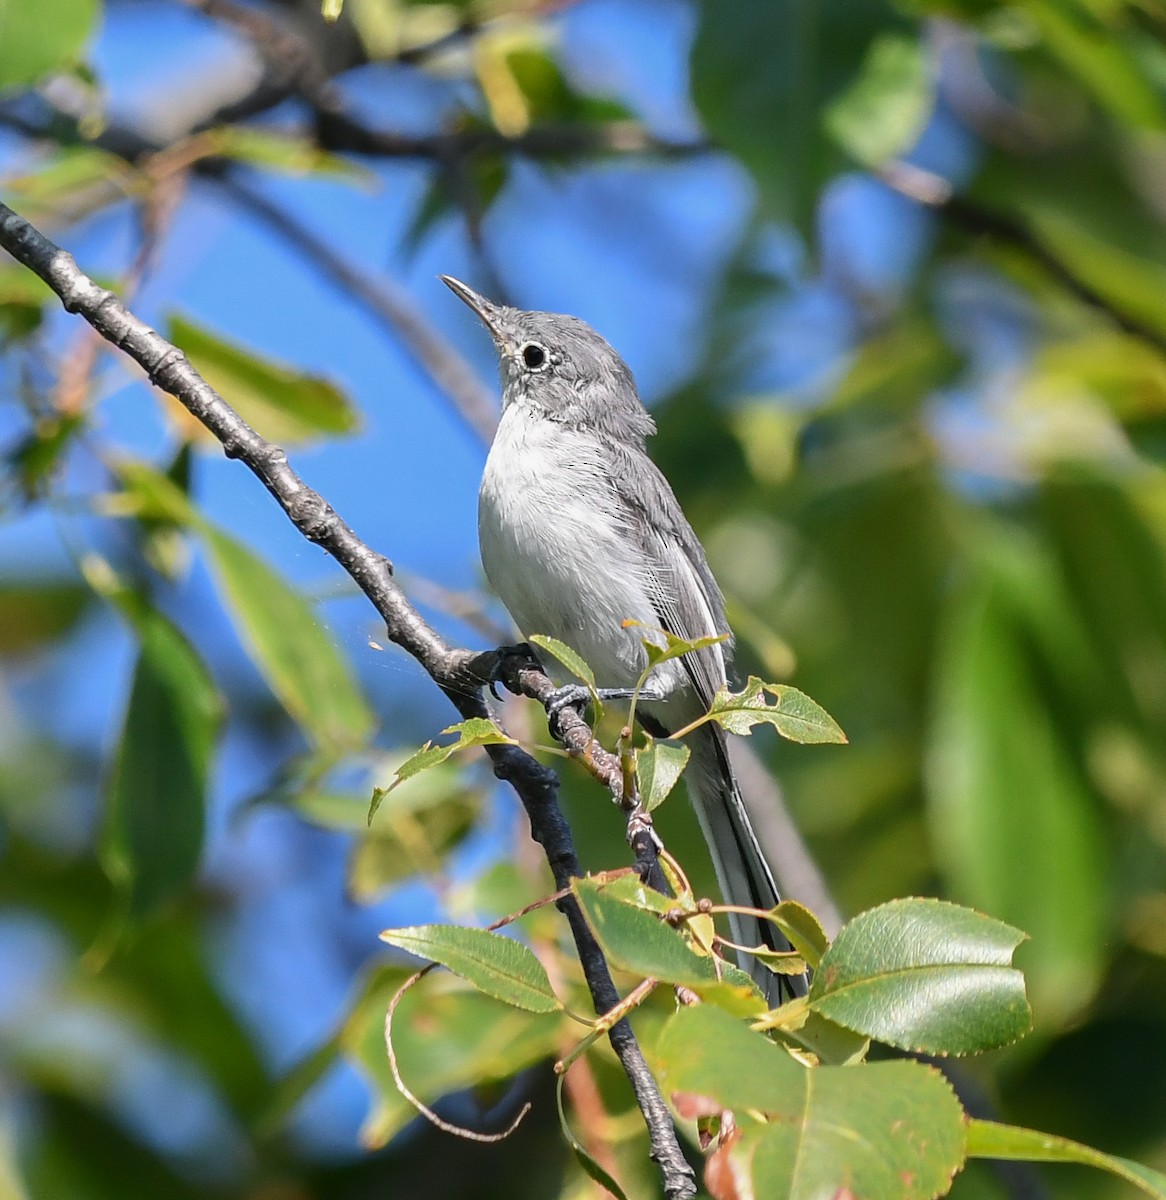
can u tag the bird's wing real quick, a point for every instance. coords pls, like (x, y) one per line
(683, 591)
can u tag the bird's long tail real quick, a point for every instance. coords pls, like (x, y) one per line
(742, 872)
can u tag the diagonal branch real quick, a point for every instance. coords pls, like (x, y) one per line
(451, 669)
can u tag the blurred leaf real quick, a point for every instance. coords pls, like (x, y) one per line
(1009, 814)
(493, 963)
(32, 614)
(166, 973)
(153, 827)
(883, 112)
(586, 1160)
(987, 1139)
(1105, 62)
(285, 639)
(832, 1129)
(283, 404)
(793, 714)
(81, 1152)
(38, 38)
(925, 975)
(761, 75)
(659, 765)
(1133, 283)
(292, 649)
(415, 838)
(297, 156)
(447, 1037)
(550, 98)
(476, 731)
(38, 458)
(565, 656)
(73, 181)
(23, 296)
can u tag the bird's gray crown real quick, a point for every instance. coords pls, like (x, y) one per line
(559, 368)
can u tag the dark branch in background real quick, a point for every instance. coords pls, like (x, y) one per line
(451, 669)
(390, 305)
(976, 221)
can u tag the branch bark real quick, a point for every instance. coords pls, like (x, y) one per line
(450, 668)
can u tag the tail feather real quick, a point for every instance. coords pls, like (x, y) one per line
(742, 872)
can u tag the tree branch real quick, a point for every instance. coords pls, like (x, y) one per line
(451, 669)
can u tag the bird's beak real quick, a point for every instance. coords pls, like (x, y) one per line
(489, 312)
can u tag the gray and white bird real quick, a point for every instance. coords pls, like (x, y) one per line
(580, 533)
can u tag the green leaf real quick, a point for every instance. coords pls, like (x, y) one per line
(834, 1045)
(477, 731)
(413, 841)
(673, 646)
(494, 964)
(281, 632)
(636, 940)
(987, 1139)
(925, 975)
(1013, 821)
(883, 112)
(803, 929)
(282, 403)
(291, 648)
(566, 656)
(74, 180)
(447, 1036)
(659, 765)
(891, 1129)
(42, 37)
(152, 833)
(793, 714)
(32, 614)
(586, 1160)
(296, 156)
(761, 73)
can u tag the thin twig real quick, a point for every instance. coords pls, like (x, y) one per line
(451, 669)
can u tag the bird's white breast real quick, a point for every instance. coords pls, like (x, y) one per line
(554, 547)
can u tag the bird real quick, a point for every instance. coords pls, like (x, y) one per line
(583, 539)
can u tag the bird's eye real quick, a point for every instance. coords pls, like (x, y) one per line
(534, 355)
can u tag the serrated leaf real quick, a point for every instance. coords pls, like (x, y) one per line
(153, 827)
(803, 929)
(793, 714)
(833, 1130)
(636, 940)
(883, 112)
(494, 964)
(586, 1160)
(282, 403)
(925, 975)
(659, 765)
(988, 1139)
(563, 654)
